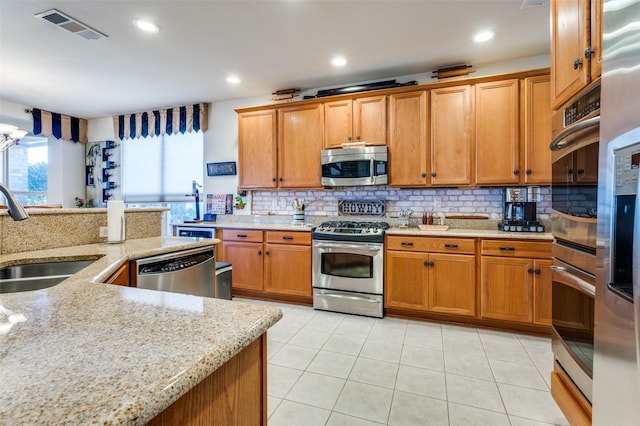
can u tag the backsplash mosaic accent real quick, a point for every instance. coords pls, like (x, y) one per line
(464, 201)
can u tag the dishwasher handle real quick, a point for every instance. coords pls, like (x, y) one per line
(174, 261)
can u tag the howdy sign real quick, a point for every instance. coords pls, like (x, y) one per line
(361, 207)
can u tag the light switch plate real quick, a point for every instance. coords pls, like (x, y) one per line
(104, 232)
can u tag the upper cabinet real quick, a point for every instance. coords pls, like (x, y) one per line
(576, 46)
(408, 139)
(257, 152)
(356, 120)
(497, 147)
(300, 136)
(451, 134)
(536, 130)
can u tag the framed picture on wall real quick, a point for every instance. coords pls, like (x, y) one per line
(221, 169)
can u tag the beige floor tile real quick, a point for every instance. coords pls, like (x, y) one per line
(531, 404)
(365, 401)
(291, 413)
(474, 392)
(422, 357)
(332, 364)
(316, 390)
(415, 410)
(463, 415)
(374, 372)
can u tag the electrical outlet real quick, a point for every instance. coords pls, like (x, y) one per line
(104, 232)
(437, 202)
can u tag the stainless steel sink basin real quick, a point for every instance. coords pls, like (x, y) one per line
(36, 276)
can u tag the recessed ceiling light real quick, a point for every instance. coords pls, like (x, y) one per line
(339, 62)
(147, 26)
(233, 79)
(483, 36)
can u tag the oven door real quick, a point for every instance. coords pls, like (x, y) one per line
(573, 292)
(346, 265)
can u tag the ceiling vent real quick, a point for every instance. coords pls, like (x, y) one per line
(526, 4)
(65, 22)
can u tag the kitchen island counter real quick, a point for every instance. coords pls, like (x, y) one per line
(94, 353)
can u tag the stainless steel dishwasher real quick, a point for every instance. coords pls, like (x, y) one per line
(187, 272)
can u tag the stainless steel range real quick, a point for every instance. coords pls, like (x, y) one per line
(348, 267)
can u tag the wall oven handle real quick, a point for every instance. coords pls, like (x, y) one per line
(344, 296)
(574, 281)
(574, 133)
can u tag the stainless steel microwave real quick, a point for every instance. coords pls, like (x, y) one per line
(365, 165)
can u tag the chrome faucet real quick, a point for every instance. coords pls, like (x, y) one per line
(16, 211)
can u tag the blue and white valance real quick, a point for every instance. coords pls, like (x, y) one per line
(189, 118)
(61, 126)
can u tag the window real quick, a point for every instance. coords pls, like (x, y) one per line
(26, 170)
(158, 171)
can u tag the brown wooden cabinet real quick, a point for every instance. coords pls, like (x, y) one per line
(257, 151)
(269, 263)
(576, 46)
(121, 276)
(288, 263)
(497, 139)
(451, 135)
(536, 129)
(356, 120)
(300, 138)
(431, 274)
(515, 281)
(408, 139)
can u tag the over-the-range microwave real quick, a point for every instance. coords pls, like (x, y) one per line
(365, 165)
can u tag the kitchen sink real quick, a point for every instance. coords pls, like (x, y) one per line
(36, 276)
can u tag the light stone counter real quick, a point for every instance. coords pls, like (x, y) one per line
(472, 233)
(93, 353)
(250, 225)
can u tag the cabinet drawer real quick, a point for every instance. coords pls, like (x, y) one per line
(242, 235)
(442, 245)
(288, 237)
(508, 248)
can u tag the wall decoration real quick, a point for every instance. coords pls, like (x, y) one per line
(102, 177)
(221, 169)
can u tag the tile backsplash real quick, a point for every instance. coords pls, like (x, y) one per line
(462, 201)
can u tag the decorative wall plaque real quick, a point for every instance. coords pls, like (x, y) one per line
(362, 207)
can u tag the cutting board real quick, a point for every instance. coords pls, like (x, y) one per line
(462, 216)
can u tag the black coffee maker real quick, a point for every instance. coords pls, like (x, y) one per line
(520, 210)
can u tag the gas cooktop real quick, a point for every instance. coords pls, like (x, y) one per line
(351, 231)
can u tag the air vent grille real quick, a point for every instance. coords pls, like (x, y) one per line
(70, 24)
(526, 4)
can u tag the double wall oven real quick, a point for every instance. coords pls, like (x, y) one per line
(574, 226)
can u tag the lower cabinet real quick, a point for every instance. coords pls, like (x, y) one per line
(515, 282)
(270, 262)
(429, 274)
(121, 276)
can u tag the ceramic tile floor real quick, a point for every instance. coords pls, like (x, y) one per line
(333, 369)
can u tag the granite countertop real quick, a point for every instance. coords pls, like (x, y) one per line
(250, 225)
(93, 353)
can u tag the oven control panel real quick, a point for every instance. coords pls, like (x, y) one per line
(627, 164)
(582, 107)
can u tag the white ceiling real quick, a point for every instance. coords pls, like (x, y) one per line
(270, 45)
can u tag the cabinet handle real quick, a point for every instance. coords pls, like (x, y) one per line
(280, 179)
(536, 271)
(580, 171)
(570, 171)
(516, 172)
(507, 249)
(530, 271)
(424, 175)
(406, 244)
(241, 236)
(287, 238)
(577, 63)
(429, 264)
(349, 138)
(259, 252)
(433, 174)
(451, 246)
(266, 252)
(273, 179)
(588, 52)
(357, 137)
(528, 171)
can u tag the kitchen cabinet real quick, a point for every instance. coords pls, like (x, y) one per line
(244, 250)
(451, 135)
(408, 139)
(121, 276)
(497, 139)
(300, 138)
(431, 274)
(269, 263)
(515, 280)
(536, 130)
(288, 263)
(356, 120)
(576, 46)
(257, 151)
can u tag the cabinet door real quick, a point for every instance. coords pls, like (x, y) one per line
(537, 130)
(408, 139)
(121, 276)
(370, 120)
(497, 147)
(246, 259)
(569, 38)
(586, 166)
(406, 280)
(542, 292)
(300, 138)
(288, 269)
(338, 123)
(596, 38)
(451, 132)
(257, 154)
(452, 284)
(506, 289)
